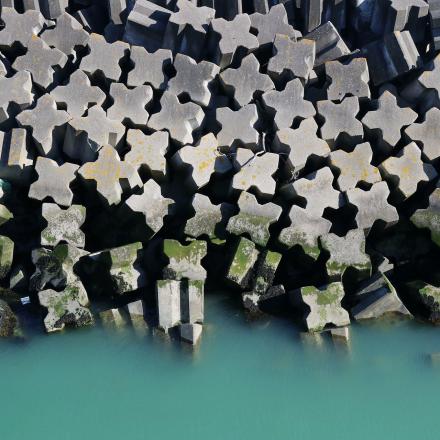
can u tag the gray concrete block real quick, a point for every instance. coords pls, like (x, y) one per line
(47, 125)
(254, 219)
(238, 128)
(243, 260)
(149, 68)
(87, 134)
(372, 205)
(43, 62)
(63, 225)
(78, 94)
(191, 333)
(111, 175)
(288, 106)
(180, 120)
(15, 94)
(168, 303)
(104, 57)
(246, 83)
(291, 59)
(53, 181)
(193, 79)
(147, 153)
(129, 105)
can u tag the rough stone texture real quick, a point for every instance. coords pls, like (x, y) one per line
(67, 35)
(407, 170)
(372, 205)
(426, 133)
(255, 172)
(6, 255)
(355, 167)
(42, 61)
(104, 57)
(388, 119)
(193, 79)
(147, 152)
(47, 125)
(381, 302)
(340, 123)
(202, 161)
(151, 204)
(207, 216)
(300, 144)
(287, 106)
(149, 68)
(304, 230)
(87, 134)
(350, 79)
(246, 82)
(53, 181)
(254, 219)
(430, 217)
(129, 105)
(123, 267)
(430, 298)
(111, 175)
(184, 260)
(238, 128)
(325, 306)
(16, 158)
(63, 225)
(78, 95)
(232, 39)
(180, 120)
(68, 307)
(9, 325)
(345, 252)
(15, 94)
(291, 59)
(242, 263)
(317, 189)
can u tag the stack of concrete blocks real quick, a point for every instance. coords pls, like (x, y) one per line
(180, 294)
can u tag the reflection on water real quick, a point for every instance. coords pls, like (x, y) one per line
(254, 380)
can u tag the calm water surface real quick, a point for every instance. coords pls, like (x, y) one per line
(246, 381)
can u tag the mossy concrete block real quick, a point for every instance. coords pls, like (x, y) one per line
(168, 303)
(67, 307)
(243, 261)
(9, 325)
(382, 302)
(63, 225)
(430, 217)
(325, 306)
(6, 255)
(345, 252)
(254, 219)
(185, 261)
(429, 296)
(5, 215)
(265, 269)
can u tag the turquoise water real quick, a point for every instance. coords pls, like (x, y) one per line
(245, 381)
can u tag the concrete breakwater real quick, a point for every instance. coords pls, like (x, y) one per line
(154, 150)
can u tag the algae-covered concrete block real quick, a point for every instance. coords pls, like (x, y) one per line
(345, 252)
(429, 296)
(67, 307)
(168, 303)
(254, 219)
(185, 261)
(63, 225)
(430, 217)
(244, 258)
(9, 325)
(6, 255)
(325, 306)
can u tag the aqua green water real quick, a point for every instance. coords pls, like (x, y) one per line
(246, 381)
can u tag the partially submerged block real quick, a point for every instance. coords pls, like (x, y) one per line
(185, 261)
(325, 306)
